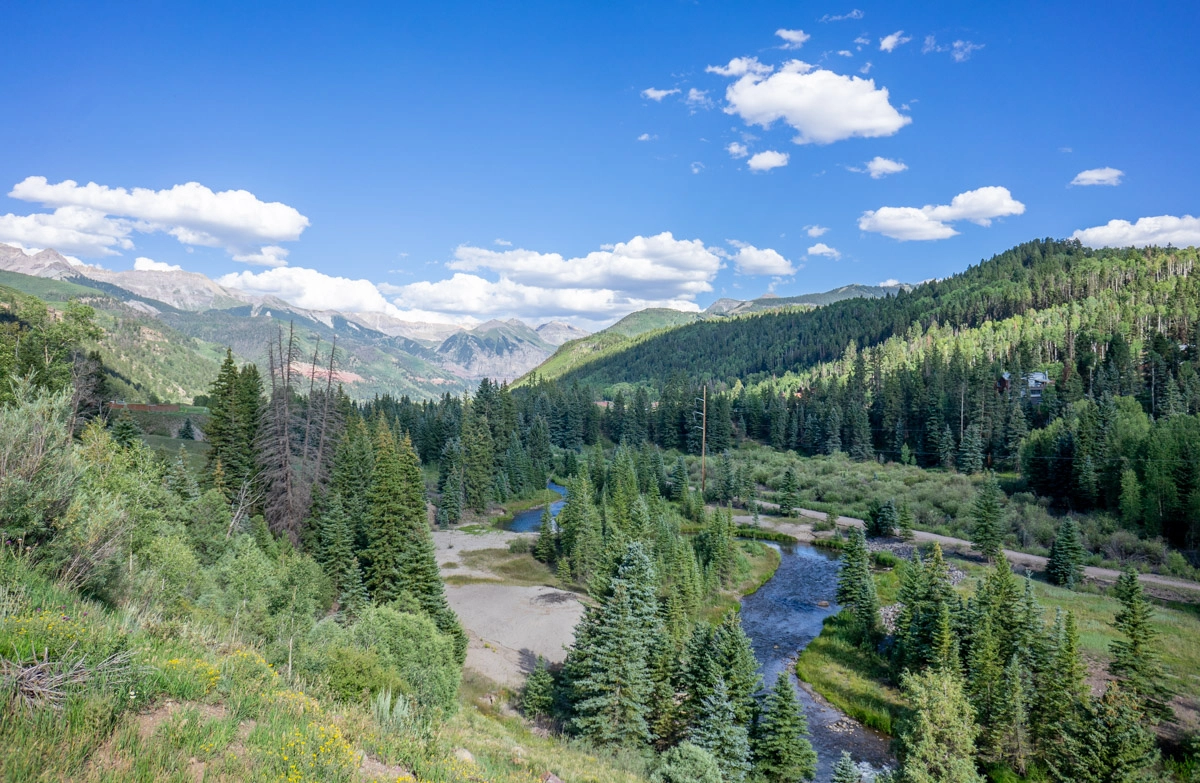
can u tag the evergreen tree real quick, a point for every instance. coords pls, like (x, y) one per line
(537, 696)
(882, 520)
(735, 659)
(789, 492)
(187, 431)
(718, 732)
(679, 480)
(611, 680)
(478, 457)
(1106, 743)
(970, 451)
(845, 770)
(1135, 659)
(1065, 567)
(782, 751)
(904, 524)
(937, 740)
(336, 545)
(987, 532)
(1062, 687)
(450, 481)
(856, 588)
(125, 431)
(1012, 729)
(400, 557)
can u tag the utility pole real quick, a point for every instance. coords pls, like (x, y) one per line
(703, 440)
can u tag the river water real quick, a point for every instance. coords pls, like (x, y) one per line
(781, 618)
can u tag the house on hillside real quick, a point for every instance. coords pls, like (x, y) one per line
(1035, 384)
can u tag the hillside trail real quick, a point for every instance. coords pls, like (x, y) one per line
(1188, 591)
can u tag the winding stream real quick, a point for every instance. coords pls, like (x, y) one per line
(781, 618)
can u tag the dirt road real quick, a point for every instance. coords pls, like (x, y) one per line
(1161, 586)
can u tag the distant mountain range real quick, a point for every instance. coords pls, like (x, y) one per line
(188, 311)
(170, 327)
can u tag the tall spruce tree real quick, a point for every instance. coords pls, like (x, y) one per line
(611, 683)
(856, 588)
(478, 458)
(782, 751)
(1136, 658)
(1065, 567)
(1107, 742)
(718, 732)
(789, 492)
(987, 532)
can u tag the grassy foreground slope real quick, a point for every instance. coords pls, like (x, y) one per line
(130, 697)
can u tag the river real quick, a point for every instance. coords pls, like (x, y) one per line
(781, 618)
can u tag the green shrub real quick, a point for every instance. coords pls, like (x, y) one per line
(687, 763)
(423, 658)
(354, 674)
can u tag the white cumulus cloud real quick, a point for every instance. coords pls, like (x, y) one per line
(978, 206)
(793, 39)
(879, 167)
(750, 260)
(737, 150)
(1161, 231)
(822, 106)
(822, 249)
(644, 137)
(143, 264)
(891, 281)
(311, 289)
(235, 220)
(815, 231)
(767, 160)
(87, 232)
(1105, 176)
(657, 95)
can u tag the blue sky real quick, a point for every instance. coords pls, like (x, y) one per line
(384, 155)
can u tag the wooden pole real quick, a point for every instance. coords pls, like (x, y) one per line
(703, 440)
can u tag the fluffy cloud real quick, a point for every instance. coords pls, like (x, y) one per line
(143, 264)
(311, 289)
(793, 39)
(816, 231)
(855, 14)
(1105, 176)
(87, 232)
(192, 213)
(889, 42)
(740, 66)
(737, 150)
(979, 206)
(822, 249)
(500, 242)
(1161, 230)
(270, 255)
(750, 260)
(891, 281)
(657, 95)
(879, 167)
(643, 137)
(655, 271)
(767, 160)
(845, 53)
(822, 106)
